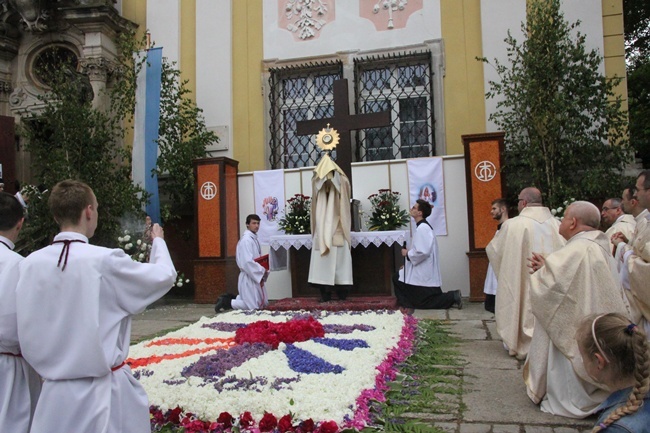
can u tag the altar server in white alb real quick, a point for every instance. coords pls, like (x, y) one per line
(499, 212)
(19, 383)
(252, 275)
(74, 306)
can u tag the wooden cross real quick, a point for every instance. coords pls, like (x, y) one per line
(344, 123)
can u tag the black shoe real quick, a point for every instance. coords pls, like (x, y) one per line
(220, 305)
(458, 300)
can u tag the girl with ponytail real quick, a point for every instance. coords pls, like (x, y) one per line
(615, 353)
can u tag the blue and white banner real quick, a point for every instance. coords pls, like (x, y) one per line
(145, 130)
(269, 202)
(426, 181)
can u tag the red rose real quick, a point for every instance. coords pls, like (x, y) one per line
(328, 427)
(225, 419)
(307, 425)
(246, 419)
(268, 422)
(175, 415)
(285, 424)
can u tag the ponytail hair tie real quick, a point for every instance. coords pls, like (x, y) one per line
(603, 425)
(629, 330)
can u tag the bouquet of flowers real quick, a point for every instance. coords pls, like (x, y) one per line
(558, 212)
(297, 216)
(138, 246)
(386, 213)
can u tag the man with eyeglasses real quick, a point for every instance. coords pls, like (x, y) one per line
(635, 270)
(613, 216)
(535, 230)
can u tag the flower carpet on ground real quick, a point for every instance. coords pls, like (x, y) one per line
(300, 367)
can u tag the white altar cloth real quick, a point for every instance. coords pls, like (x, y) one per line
(280, 244)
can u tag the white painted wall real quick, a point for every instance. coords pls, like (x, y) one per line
(497, 17)
(214, 69)
(164, 26)
(348, 32)
(367, 178)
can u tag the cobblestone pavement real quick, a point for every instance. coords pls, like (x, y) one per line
(493, 398)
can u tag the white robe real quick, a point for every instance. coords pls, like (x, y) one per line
(331, 259)
(74, 326)
(251, 295)
(19, 383)
(624, 224)
(490, 286)
(422, 268)
(636, 274)
(534, 230)
(576, 281)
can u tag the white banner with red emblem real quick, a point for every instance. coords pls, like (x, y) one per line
(427, 182)
(269, 202)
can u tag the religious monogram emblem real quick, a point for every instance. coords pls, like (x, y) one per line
(208, 190)
(485, 171)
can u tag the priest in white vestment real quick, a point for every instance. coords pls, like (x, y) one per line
(618, 221)
(74, 303)
(330, 266)
(534, 230)
(568, 285)
(19, 383)
(635, 256)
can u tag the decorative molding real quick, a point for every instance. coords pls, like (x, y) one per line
(306, 18)
(97, 68)
(17, 97)
(398, 12)
(5, 86)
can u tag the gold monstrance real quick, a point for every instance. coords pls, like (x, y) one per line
(327, 138)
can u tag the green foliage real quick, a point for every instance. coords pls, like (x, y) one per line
(183, 138)
(430, 381)
(565, 129)
(297, 216)
(69, 139)
(637, 55)
(386, 213)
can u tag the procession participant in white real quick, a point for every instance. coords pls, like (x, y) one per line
(576, 281)
(618, 221)
(19, 383)
(74, 303)
(330, 266)
(499, 212)
(418, 282)
(252, 275)
(534, 230)
(635, 269)
(630, 204)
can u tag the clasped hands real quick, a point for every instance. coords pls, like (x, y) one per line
(535, 262)
(618, 237)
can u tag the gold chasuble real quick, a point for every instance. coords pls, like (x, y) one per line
(576, 281)
(331, 260)
(534, 230)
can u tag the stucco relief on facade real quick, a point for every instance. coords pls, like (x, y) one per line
(305, 18)
(388, 14)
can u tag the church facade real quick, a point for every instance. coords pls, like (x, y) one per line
(257, 67)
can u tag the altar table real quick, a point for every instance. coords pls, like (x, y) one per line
(375, 257)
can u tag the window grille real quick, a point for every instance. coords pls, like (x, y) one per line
(299, 93)
(403, 85)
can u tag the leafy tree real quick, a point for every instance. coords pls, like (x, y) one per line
(637, 54)
(564, 128)
(69, 139)
(183, 138)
